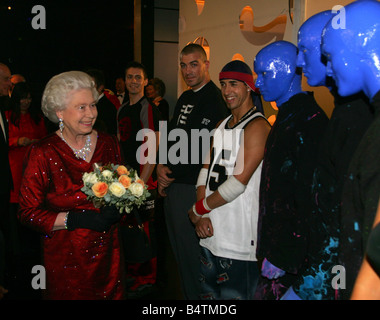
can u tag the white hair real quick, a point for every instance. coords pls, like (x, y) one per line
(58, 88)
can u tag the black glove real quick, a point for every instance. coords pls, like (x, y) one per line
(97, 221)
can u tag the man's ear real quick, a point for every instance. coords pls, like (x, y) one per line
(207, 63)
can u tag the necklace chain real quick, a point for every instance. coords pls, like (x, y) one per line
(246, 115)
(80, 153)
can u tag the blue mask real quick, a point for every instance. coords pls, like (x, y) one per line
(277, 76)
(309, 57)
(353, 52)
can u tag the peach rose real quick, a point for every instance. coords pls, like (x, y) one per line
(100, 189)
(122, 170)
(125, 180)
(141, 182)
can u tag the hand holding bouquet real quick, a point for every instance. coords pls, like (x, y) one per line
(115, 185)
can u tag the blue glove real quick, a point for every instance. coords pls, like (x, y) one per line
(270, 271)
(290, 295)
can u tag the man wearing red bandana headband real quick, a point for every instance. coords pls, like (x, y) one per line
(226, 211)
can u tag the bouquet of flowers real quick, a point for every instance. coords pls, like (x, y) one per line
(115, 185)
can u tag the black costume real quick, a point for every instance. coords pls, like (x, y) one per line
(360, 198)
(289, 162)
(350, 119)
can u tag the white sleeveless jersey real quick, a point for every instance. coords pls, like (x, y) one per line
(235, 223)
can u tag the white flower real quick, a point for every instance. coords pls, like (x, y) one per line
(107, 174)
(117, 189)
(136, 189)
(90, 178)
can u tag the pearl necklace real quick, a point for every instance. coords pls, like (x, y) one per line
(80, 153)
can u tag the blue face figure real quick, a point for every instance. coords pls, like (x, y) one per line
(353, 52)
(309, 45)
(275, 66)
(341, 66)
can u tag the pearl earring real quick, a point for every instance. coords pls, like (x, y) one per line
(61, 125)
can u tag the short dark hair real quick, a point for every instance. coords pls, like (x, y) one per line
(137, 65)
(192, 48)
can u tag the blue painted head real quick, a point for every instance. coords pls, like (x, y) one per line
(353, 52)
(278, 78)
(309, 57)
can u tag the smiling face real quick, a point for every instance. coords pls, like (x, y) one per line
(80, 113)
(194, 70)
(235, 93)
(135, 81)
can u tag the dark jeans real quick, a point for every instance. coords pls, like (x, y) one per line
(227, 279)
(182, 236)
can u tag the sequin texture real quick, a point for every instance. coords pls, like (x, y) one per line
(80, 264)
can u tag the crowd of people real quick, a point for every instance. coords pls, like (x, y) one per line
(266, 213)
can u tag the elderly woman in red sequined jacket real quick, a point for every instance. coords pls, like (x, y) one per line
(80, 244)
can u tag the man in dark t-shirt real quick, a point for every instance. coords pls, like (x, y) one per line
(200, 107)
(138, 123)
